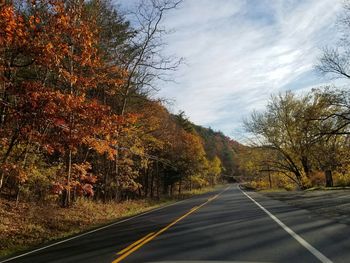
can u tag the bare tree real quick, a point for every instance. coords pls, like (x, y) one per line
(147, 61)
(335, 61)
(336, 120)
(140, 53)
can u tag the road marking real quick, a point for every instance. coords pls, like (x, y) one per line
(92, 231)
(194, 208)
(213, 197)
(134, 244)
(157, 234)
(145, 241)
(298, 238)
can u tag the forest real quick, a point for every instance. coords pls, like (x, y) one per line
(78, 113)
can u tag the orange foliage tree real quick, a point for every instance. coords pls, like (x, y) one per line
(49, 62)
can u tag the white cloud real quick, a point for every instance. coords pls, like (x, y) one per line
(238, 52)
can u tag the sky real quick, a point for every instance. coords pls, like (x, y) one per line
(239, 52)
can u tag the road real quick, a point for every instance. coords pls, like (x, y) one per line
(227, 225)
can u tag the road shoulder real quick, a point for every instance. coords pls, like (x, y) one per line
(331, 204)
(325, 234)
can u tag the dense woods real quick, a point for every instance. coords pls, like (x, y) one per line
(78, 118)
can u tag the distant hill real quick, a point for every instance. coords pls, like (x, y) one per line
(218, 144)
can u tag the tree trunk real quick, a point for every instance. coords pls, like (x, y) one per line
(306, 167)
(171, 189)
(329, 178)
(152, 183)
(158, 189)
(158, 181)
(146, 182)
(140, 192)
(6, 156)
(105, 187)
(165, 189)
(116, 174)
(18, 194)
(1, 179)
(180, 184)
(299, 180)
(68, 192)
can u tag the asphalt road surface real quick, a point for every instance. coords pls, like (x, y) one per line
(227, 225)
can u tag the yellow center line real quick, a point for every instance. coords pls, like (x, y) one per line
(215, 196)
(194, 208)
(134, 244)
(150, 237)
(156, 234)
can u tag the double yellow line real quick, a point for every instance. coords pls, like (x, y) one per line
(139, 243)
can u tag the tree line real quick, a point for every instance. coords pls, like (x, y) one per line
(77, 111)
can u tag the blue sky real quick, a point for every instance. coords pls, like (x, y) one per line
(239, 52)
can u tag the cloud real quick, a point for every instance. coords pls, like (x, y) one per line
(238, 52)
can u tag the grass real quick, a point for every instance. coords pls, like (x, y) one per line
(30, 224)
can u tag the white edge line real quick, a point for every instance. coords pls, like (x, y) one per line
(94, 230)
(298, 238)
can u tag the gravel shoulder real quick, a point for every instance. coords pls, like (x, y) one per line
(334, 204)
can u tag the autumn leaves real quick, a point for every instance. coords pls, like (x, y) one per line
(74, 106)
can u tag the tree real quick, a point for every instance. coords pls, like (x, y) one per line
(49, 62)
(146, 62)
(335, 60)
(298, 132)
(285, 129)
(214, 170)
(327, 112)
